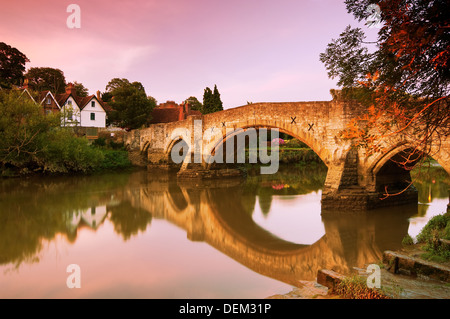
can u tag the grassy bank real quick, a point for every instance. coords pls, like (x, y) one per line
(292, 152)
(60, 151)
(432, 239)
(34, 142)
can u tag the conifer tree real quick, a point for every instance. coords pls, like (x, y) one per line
(217, 102)
(211, 101)
(207, 101)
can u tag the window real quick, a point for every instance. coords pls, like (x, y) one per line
(49, 101)
(70, 115)
(69, 102)
(92, 116)
(93, 103)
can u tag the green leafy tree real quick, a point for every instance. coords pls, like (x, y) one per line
(22, 123)
(106, 96)
(34, 141)
(12, 65)
(195, 104)
(80, 89)
(132, 108)
(42, 79)
(404, 73)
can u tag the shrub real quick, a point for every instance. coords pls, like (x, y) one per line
(356, 288)
(295, 143)
(116, 146)
(115, 159)
(446, 234)
(438, 222)
(101, 142)
(62, 152)
(436, 228)
(407, 240)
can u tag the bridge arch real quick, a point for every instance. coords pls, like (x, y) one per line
(181, 145)
(145, 147)
(220, 140)
(384, 164)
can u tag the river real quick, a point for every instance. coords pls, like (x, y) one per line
(144, 234)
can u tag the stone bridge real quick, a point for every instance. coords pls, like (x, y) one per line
(354, 179)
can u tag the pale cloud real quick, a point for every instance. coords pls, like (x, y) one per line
(101, 60)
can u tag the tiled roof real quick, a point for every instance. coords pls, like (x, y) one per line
(170, 112)
(165, 115)
(81, 101)
(62, 98)
(195, 112)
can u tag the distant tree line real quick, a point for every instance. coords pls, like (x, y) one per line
(129, 106)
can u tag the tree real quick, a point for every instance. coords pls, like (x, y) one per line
(80, 89)
(195, 104)
(34, 141)
(207, 101)
(106, 97)
(218, 105)
(42, 79)
(21, 124)
(405, 73)
(132, 108)
(211, 101)
(12, 65)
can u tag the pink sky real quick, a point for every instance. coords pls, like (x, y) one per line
(254, 50)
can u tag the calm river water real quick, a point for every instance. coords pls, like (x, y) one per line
(145, 235)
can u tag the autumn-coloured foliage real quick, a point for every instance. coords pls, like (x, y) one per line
(404, 80)
(356, 288)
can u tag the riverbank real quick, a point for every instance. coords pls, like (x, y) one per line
(395, 286)
(104, 159)
(418, 270)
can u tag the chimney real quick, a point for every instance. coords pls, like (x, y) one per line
(70, 89)
(181, 115)
(98, 95)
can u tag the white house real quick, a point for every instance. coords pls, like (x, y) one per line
(86, 111)
(70, 112)
(92, 113)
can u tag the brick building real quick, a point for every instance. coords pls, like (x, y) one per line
(172, 112)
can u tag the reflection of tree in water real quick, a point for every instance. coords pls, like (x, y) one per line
(265, 199)
(430, 182)
(290, 180)
(248, 198)
(128, 220)
(37, 209)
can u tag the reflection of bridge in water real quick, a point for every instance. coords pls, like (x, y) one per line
(207, 215)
